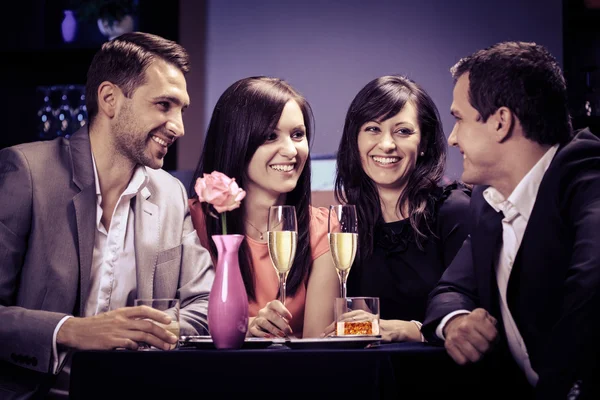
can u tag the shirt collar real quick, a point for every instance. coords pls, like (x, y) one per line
(137, 183)
(96, 180)
(523, 196)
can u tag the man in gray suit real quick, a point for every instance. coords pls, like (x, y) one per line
(89, 224)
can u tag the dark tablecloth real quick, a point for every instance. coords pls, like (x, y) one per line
(383, 372)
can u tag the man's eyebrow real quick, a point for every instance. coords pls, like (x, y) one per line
(172, 99)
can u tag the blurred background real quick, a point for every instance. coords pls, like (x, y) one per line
(328, 50)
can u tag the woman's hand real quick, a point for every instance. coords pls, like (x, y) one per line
(271, 321)
(391, 330)
(351, 316)
(394, 330)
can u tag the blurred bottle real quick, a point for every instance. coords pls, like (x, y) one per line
(591, 106)
(80, 114)
(64, 117)
(46, 117)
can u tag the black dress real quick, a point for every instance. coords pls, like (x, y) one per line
(401, 274)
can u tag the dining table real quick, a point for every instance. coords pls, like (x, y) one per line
(306, 369)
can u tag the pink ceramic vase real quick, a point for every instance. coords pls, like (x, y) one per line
(228, 301)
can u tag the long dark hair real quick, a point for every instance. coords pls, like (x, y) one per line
(381, 99)
(244, 117)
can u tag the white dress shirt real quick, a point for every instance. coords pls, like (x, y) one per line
(517, 210)
(113, 272)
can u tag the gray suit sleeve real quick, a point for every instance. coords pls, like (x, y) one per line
(196, 279)
(25, 334)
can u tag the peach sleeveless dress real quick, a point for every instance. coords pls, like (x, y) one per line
(266, 279)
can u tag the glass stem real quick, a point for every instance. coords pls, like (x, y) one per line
(343, 277)
(282, 288)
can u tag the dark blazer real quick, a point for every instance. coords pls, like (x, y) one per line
(553, 291)
(47, 231)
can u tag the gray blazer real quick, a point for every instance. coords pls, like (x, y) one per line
(47, 230)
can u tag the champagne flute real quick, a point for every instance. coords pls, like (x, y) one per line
(343, 240)
(282, 237)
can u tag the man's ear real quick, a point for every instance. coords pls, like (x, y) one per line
(502, 123)
(109, 96)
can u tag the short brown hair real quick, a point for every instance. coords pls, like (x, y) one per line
(124, 60)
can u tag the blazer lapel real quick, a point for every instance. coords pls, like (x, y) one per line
(146, 242)
(84, 203)
(545, 218)
(487, 241)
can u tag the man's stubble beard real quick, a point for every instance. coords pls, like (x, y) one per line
(130, 142)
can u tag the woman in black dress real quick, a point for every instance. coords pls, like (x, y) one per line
(390, 164)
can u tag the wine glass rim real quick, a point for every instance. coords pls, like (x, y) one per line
(278, 212)
(161, 299)
(359, 298)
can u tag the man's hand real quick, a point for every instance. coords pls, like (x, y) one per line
(121, 328)
(470, 336)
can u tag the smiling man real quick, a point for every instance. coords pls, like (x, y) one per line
(524, 286)
(88, 225)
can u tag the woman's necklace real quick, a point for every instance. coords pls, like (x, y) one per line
(257, 230)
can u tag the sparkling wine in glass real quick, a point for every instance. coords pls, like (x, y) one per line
(282, 238)
(343, 240)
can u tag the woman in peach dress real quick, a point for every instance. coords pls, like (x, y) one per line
(259, 134)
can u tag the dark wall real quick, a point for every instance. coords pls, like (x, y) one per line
(582, 62)
(329, 50)
(33, 54)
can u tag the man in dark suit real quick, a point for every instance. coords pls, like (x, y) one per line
(525, 283)
(90, 223)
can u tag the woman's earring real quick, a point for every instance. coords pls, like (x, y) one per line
(422, 153)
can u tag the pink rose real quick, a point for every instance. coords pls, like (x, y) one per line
(219, 190)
